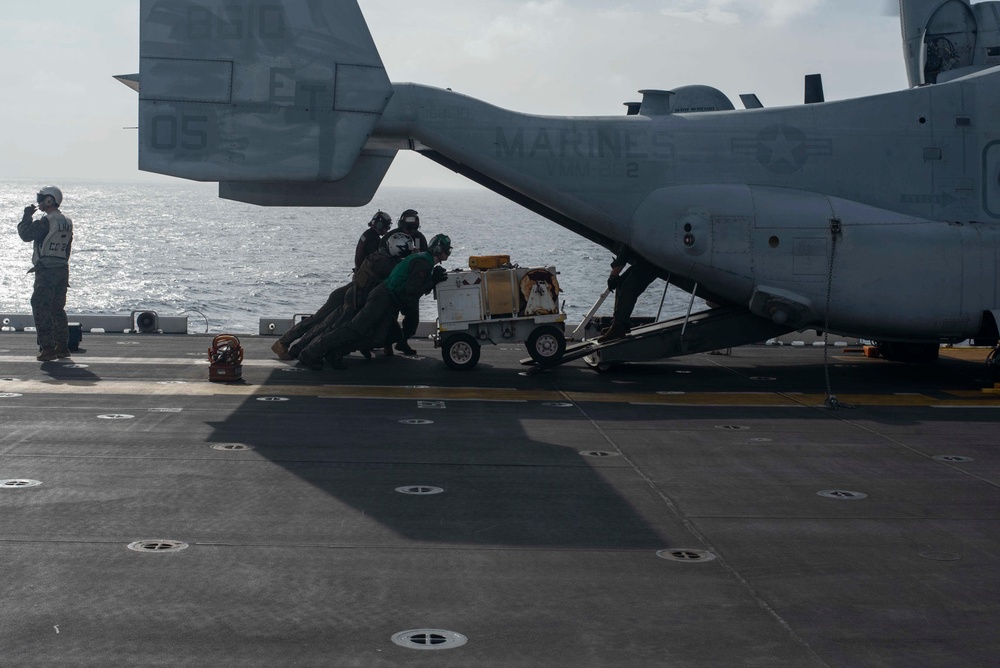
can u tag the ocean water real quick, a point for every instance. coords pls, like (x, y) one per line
(177, 249)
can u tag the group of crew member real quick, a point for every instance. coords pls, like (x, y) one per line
(393, 269)
(369, 243)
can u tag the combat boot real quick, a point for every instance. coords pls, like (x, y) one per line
(47, 355)
(310, 363)
(335, 361)
(62, 352)
(405, 348)
(616, 331)
(281, 350)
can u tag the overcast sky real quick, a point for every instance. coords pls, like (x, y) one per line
(62, 115)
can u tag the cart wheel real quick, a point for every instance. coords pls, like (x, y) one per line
(460, 351)
(546, 344)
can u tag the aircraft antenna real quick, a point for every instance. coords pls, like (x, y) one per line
(814, 89)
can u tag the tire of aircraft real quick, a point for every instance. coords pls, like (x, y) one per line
(993, 364)
(546, 344)
(460, 352)
(909, 353)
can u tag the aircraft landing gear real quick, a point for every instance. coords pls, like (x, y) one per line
(993, 364)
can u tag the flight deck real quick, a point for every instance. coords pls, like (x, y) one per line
(700, 511)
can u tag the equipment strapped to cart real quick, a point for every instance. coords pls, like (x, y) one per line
(504, 303)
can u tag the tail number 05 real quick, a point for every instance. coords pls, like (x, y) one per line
(168, 133)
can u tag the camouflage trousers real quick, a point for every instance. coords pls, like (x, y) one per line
(634, 282)
(371, 327)
(332, 305)
(48, 306)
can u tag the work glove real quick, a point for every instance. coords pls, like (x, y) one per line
(439, 274)
(614, 281)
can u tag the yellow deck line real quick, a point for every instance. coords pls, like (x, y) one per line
(966, 354)
(201, 359)
(206, 388)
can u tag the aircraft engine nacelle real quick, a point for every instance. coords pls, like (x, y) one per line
(683, 100)
(947, 39)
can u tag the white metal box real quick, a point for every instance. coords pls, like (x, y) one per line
(460, 298)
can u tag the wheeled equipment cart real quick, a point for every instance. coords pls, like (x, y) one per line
(496, 302)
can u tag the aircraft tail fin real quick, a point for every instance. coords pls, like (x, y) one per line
(243, 92)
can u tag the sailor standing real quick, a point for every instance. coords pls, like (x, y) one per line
(52, 235)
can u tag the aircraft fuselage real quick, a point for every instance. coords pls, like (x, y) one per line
(742, 201)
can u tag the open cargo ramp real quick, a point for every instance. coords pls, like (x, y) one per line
(714, 329)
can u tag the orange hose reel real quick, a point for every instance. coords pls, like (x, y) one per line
(225, 358)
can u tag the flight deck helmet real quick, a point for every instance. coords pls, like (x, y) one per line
(440, 243)
(399, 244)
(380, 222)
(50, 191)
(409, 221)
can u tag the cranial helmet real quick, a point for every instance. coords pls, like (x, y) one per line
(380, 222)
(439, 243)
(49, 191)
(409, 220)
(400, 244)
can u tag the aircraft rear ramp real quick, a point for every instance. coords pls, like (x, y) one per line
(721, 327)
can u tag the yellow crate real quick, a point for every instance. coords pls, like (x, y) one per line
(483, 262)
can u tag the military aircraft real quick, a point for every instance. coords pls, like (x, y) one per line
(876, 217)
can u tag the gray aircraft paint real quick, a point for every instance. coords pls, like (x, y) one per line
(288, 103)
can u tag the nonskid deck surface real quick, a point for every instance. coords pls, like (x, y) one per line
(545, 506)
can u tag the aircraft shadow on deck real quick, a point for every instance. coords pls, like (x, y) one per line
(502, 486)
(512, 475)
